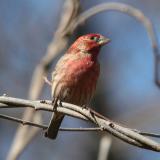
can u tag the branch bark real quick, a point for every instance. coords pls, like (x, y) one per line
(126, 134)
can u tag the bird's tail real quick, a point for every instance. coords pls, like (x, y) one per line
(54, 125)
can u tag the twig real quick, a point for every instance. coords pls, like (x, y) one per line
(47, 81)
(23, 122)
(128, 135)
(148, 134)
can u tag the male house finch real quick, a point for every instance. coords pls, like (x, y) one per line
(75, 76)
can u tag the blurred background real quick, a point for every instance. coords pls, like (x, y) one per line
(126, 91)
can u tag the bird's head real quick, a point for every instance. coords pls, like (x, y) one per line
(89, 43)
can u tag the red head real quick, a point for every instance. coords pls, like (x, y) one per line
(89, 43)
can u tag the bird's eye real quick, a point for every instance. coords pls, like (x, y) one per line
(94, 38)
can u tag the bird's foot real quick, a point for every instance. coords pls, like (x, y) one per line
(43, 101)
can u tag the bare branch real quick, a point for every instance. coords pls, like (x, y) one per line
(120, 7)
(133, 12)
(58, 44)
(126, 134)
(23, 122)
(148, 134)
(104, 147)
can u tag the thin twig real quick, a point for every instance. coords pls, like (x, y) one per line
(47, 81)
(120, 7)
(126, 134)
(23, 122)
(149, 134)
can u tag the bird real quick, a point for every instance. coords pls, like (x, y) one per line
(75, 76)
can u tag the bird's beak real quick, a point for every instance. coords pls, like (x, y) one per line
(103, 40)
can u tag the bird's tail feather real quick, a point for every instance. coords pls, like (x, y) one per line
(55, 123)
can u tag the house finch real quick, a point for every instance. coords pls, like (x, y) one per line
(75, 76)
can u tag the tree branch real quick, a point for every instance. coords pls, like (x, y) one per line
(24, 122)
(44, 127)
(133, 12)
(58, 44)
(104, 147)
(128, 135)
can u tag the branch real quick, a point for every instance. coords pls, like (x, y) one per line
(44, 127)
(57, 45)
(126, 134)
(133, 12)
